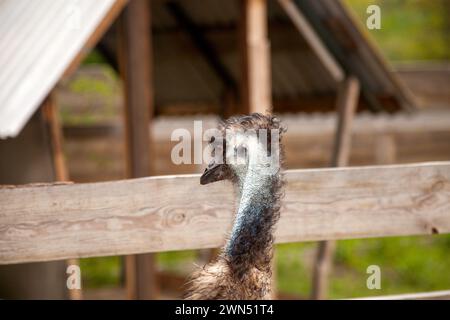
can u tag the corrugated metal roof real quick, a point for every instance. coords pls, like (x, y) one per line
(39, 39)
(178, 64)
(354, 49)
(296, 70)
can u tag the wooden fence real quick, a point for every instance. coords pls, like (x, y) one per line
(60, 221)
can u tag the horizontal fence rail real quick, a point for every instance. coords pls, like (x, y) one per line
(51, 222)
(433, 295)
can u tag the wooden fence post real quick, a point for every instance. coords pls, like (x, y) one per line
(50, 110)
(135, 55)
(347, 103)
(256, 93)
(385, 149)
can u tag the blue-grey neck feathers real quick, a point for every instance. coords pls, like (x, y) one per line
(251, 238)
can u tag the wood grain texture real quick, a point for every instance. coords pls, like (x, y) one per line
(51, 222)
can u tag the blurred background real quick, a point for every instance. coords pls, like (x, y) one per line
(195, 76)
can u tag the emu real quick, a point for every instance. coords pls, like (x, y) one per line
(243, 270)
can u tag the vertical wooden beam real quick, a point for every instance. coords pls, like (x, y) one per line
(385, 149)
(51, 115)
(136, 72)
(135, 59)
(347, 103)
(256, 95)
(50, 111)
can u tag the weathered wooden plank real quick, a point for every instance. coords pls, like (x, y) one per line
(433, 295)
(51, 222)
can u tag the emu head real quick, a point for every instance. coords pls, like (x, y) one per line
(244, 143)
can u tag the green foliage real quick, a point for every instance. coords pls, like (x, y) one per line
(94, 57)
(91, 98)
(87, 85)
(410, 29)
(176, 261)
(408, 264)
(100, 272)
(292, 274)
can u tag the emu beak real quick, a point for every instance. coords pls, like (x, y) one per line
(214, 172)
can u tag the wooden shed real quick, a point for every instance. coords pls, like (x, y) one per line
(196, 54)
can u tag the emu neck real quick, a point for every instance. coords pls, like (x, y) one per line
(250, 243)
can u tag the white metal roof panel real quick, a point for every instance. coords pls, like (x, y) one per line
(38, 41)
